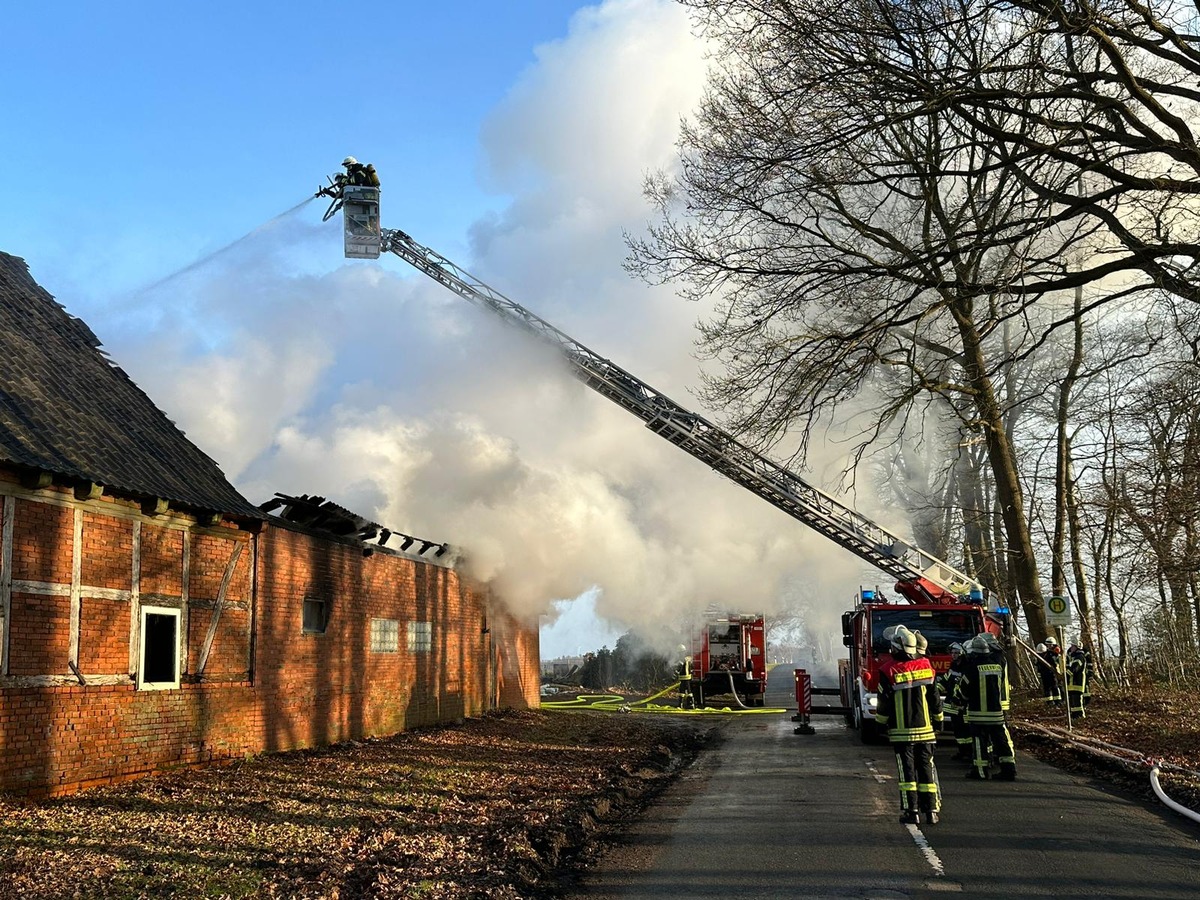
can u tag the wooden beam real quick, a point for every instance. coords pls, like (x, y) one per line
(155, 506)
(76, 591)
(89, 490)
(35, 481)
(216, 616)
(75, 671)
(6, 579)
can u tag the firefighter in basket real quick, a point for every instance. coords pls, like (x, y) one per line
(909, 708)
(356, 175)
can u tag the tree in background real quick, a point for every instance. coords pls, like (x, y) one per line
(866, 246)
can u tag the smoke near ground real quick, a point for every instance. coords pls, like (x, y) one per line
(372, 386)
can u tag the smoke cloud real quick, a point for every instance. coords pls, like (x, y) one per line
(381, 390)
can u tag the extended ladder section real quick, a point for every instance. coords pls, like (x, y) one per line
(924, 577)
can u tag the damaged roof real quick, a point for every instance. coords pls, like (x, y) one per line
(65, 408)
(312, 511)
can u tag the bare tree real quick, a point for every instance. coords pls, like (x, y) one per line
(866, 244)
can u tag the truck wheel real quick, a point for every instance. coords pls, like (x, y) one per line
(868, 731)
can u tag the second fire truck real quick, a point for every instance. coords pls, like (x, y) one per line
(729, 656)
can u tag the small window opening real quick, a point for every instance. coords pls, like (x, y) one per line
(385, 636)
(420, 637)
(159, 669)
(314, 616)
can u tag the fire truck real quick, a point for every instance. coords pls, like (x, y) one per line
(930, 585)
(729, 656)
(942, 619)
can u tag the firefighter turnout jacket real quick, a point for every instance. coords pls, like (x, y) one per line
(984, 688)
(909, 703)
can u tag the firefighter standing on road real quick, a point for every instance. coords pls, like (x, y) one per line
(949, 683)
(1078, 665)
(1049, 653)
(985, 690)
(909, 707)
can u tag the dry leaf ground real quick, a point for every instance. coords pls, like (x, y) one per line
(507, 806)
(1160, 723)
(499, 807)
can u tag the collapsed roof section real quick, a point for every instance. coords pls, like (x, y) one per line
(318, 514)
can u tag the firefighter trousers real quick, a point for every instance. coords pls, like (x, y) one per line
(1075, 699)
(918, 777)
(991, 739)
(962, 733)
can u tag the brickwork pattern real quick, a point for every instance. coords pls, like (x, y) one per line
(40, 634)
(43, 538)
(107, 552)
(162, 561)
(308, 689)
(103, 636)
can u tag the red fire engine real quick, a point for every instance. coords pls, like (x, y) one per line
(729, 656)
(942, 617)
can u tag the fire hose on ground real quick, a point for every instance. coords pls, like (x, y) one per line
(617, 703)
(1130, 760)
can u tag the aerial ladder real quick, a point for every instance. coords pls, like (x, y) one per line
(920, 576)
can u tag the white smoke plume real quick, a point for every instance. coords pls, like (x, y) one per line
(381, 390)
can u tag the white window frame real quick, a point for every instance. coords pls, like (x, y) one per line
(177, 615)
(385, 635)
(420, 637)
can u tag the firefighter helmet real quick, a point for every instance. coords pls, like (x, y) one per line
(975, 646)
(1040, 648)
(1051, 642)
(922, 643)
(956, 649)
(904, 641)
(349, 161)
(989, 640)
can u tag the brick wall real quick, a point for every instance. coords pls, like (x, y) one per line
(266, 683)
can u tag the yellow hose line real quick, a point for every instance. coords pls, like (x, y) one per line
(617, 703)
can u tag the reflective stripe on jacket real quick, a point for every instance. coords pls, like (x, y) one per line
(909, 703)
(985, 688)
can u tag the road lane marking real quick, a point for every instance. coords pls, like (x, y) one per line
(882, 779)
(923, 845)
(918, 838)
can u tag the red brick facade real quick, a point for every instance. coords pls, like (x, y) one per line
(401, 642)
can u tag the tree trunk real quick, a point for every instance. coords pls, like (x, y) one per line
(1022, 564)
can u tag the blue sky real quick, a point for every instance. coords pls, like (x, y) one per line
(512, 137)
(155, 132)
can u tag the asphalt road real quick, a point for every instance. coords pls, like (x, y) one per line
(772, 814)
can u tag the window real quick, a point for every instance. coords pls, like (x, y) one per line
(420, 637)
(385, 635)
(160, 649)
(314, 616)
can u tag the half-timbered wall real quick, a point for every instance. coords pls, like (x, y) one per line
(402, 642)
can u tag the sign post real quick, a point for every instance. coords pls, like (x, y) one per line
(1058, 615)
